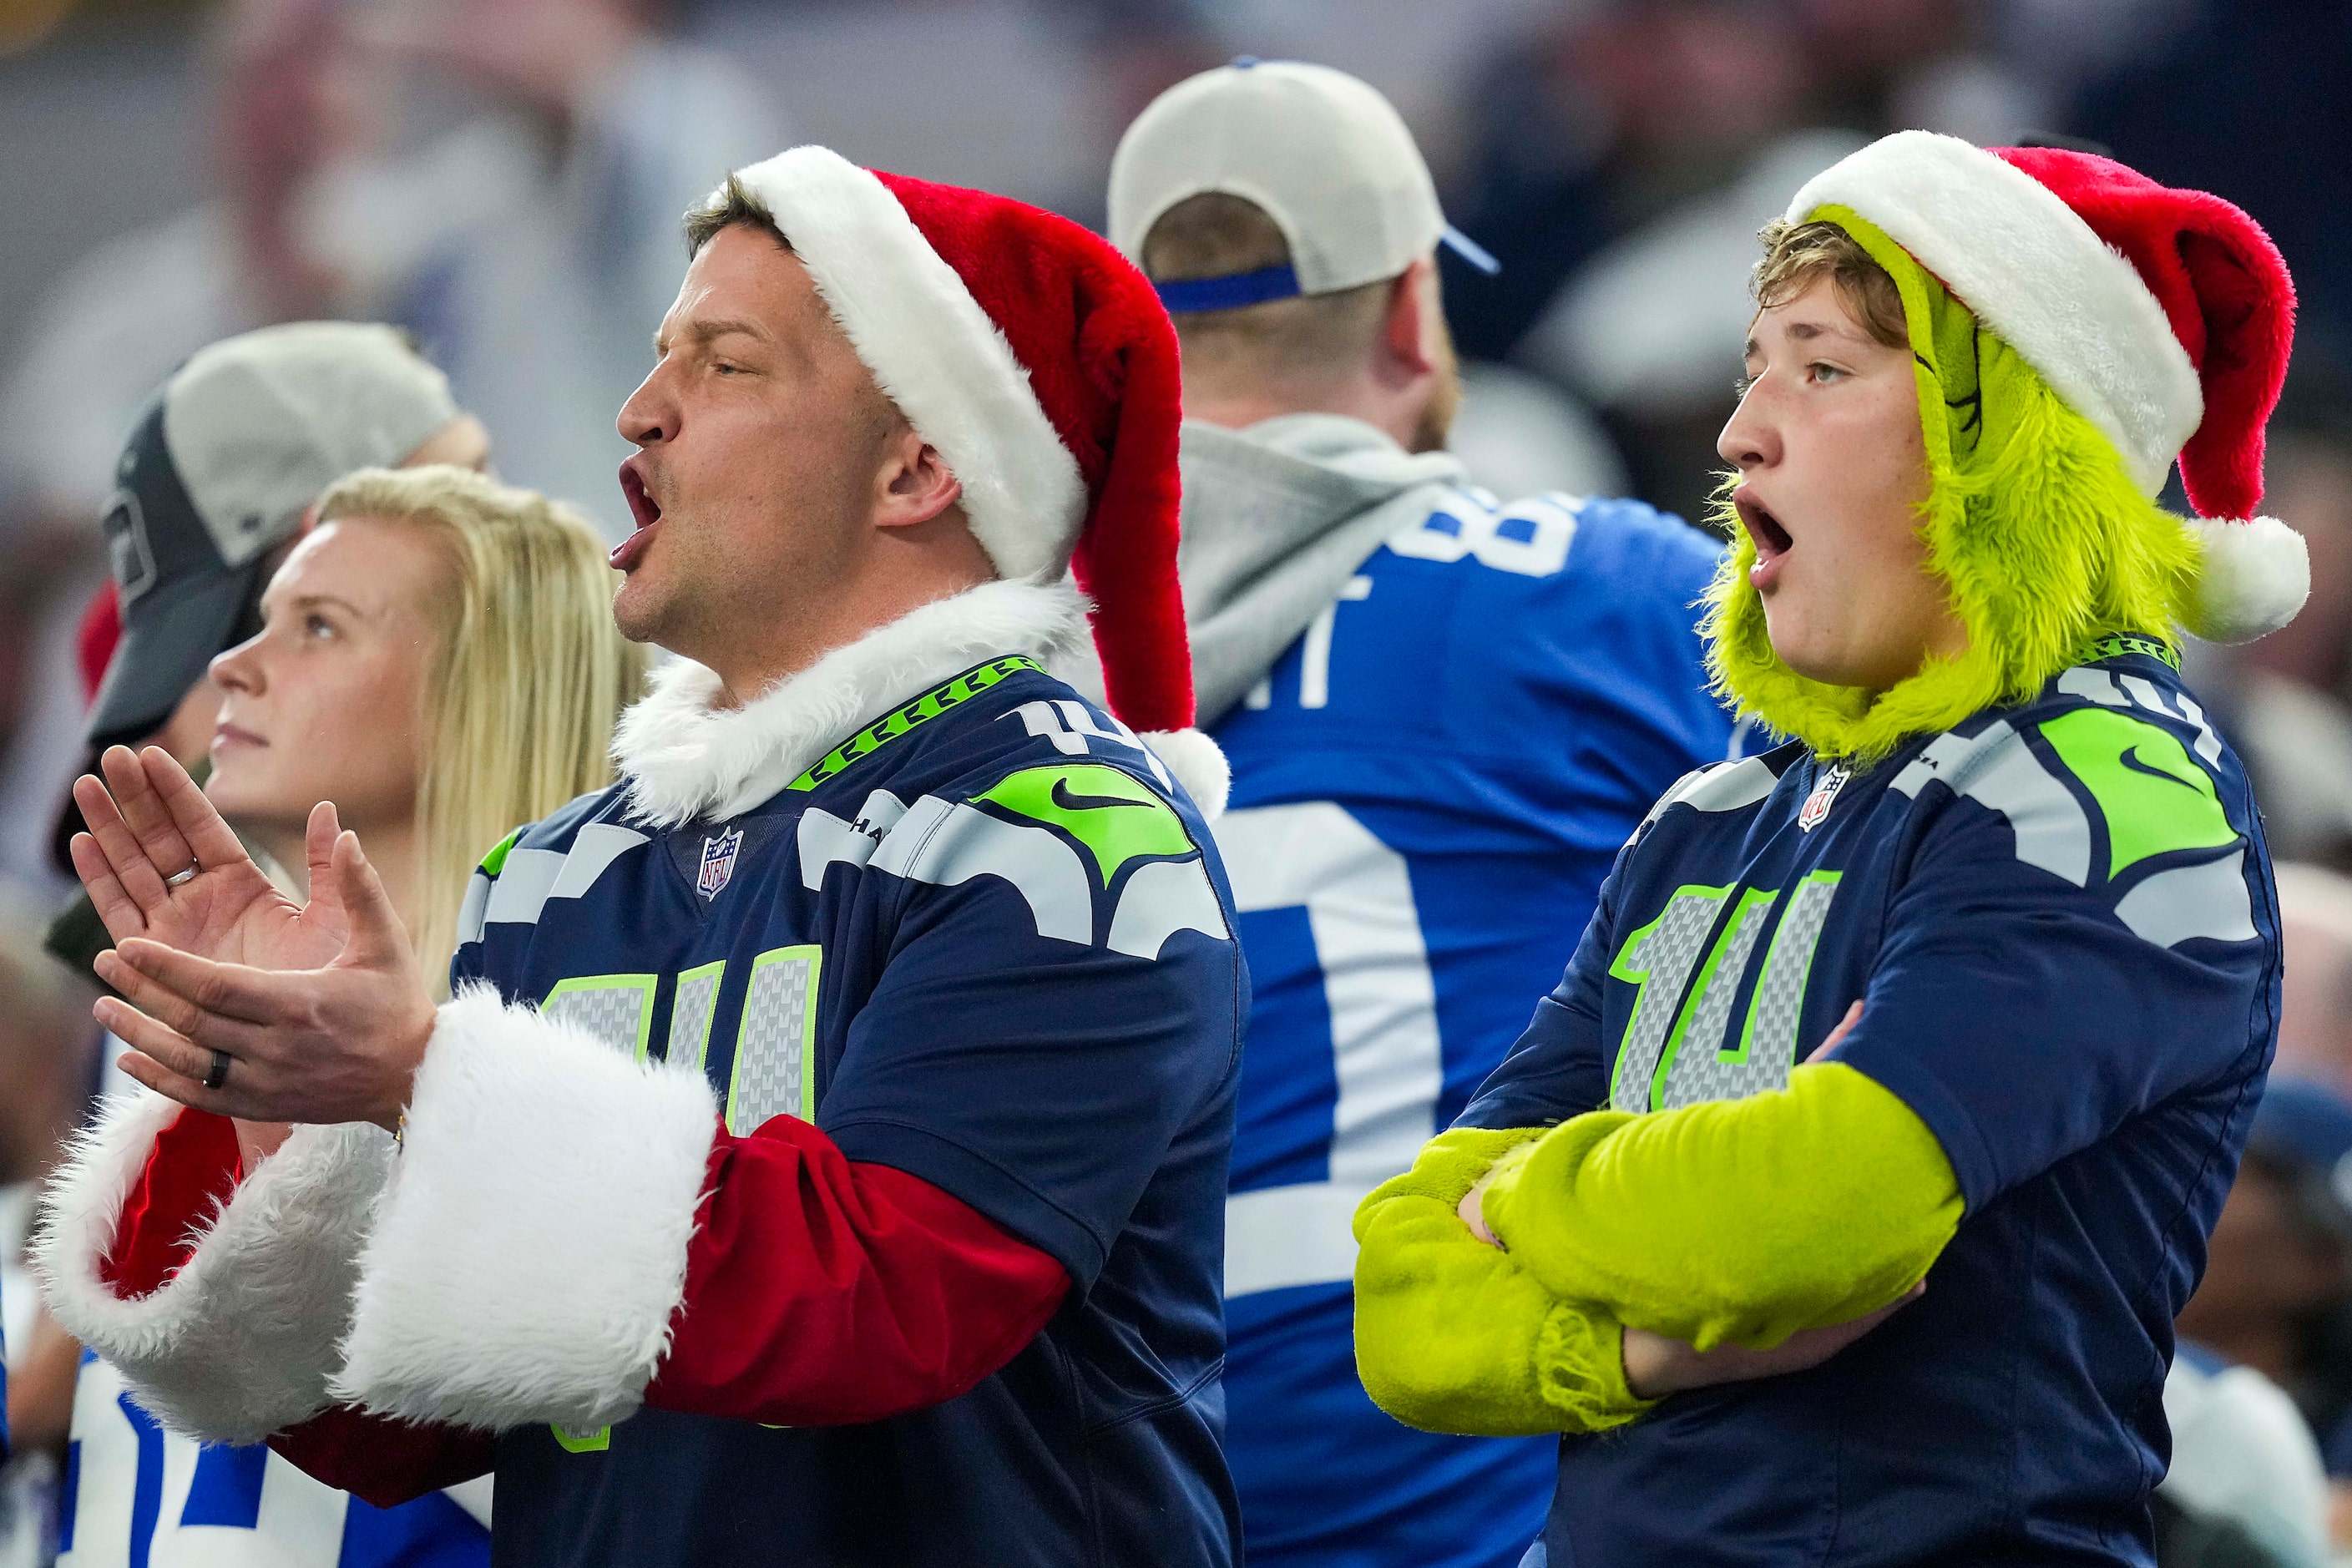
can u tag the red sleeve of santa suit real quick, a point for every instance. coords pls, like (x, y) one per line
(565, 1223)
(382, 1462)
(220, 1299)
(820, 1292)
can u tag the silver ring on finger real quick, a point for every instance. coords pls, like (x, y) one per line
(178, 878)
(218, 1075)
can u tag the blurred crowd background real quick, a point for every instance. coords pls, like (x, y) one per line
(502, 178)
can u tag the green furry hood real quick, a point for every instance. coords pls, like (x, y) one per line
(2031, 522)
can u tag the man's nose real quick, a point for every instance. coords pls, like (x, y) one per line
(649, 416)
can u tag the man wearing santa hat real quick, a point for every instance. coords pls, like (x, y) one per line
(822, 1157)
(1972, 984)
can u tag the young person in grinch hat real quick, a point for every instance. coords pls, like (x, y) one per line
(1974, 982)
(821, 1159)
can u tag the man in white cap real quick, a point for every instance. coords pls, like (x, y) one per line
(1444, 713)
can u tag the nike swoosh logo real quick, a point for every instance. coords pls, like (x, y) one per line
(2130, 759)
(1063, 797)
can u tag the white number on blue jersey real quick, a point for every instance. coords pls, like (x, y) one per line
(1529, 537)
(617, 1009)
(775, 1048)
(136, 1496)
(1383, 1008)
(144, 1496)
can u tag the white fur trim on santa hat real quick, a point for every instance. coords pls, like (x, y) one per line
(2037, 275)
(1198, 763)
(531, 1248)
(2257, 574)
(933, 351)
(240, 1341)
(685, 758)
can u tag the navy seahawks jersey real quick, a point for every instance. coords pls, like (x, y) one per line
(1428, 789)
(2059, 918)
(987, 941)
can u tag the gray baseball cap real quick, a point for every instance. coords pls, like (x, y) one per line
(219, 470)
(1323, 154)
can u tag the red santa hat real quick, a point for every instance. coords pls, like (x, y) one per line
(2162, 316)
(1040, 365)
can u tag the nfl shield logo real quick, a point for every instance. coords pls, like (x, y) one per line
(718, 862)
(1817, 805)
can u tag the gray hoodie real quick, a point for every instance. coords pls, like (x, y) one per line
(1276, 518)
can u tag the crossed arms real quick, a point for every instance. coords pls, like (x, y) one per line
(1526, 1281)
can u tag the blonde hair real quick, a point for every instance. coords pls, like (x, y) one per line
(1797, 253)
(526, 680)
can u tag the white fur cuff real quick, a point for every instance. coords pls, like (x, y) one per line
(239, 1342)
(531, 1248)
(2035, 272)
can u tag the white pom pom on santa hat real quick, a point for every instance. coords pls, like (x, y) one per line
(2257, 574)
(2162, 316)
(1198, 763)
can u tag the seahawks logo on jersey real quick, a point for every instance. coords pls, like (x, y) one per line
(1099, 856)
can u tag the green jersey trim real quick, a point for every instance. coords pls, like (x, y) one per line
(2116, 645)
(901, 719)
(582, 1439)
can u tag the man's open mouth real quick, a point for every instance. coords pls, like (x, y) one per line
(643, 510)
(642, 506)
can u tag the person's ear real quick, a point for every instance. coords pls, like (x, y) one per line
(916, 484)
(1411, 331)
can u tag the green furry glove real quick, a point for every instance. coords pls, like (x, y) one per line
(1737, 1221)
(1452, 1335)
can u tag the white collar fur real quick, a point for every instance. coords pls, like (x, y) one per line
(684, 759)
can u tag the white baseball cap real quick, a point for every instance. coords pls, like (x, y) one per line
(1323, 154)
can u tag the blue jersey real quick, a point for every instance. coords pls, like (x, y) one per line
(136, 1495)
(986, 943)
(1428, 789)
(2060, 920)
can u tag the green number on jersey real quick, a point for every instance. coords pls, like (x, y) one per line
(1674, 1056)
